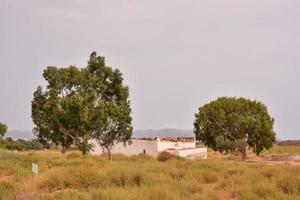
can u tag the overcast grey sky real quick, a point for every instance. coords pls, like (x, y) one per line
(175, 55)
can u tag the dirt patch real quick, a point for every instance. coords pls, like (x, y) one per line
(274, 157)
(282, 162)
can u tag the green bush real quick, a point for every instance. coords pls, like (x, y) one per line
(22, 145)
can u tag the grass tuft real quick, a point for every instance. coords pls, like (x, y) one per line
(289, 185)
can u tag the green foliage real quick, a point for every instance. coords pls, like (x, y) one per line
(230, 124)
(81, 104)
(22, 145)
(3, 129)
(114, 124)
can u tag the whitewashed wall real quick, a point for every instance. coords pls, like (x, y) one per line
(192, 153)
(137, 147)
(153, 148)
(175, 145)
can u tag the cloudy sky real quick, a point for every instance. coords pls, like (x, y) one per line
(175, 55)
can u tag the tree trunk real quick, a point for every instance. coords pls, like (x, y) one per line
(84, 152)
(63, 149)
(240, 148)
(244, 154)
(109, 154)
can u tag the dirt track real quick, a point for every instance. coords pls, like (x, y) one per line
(274, 159)
(270, 162)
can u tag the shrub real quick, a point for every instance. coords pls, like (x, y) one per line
(177, 175)
(258, 190)
(127, 179)
(63, 195)
(7, 190)
(73, 155)
(22, 145)
(289, 185)
(263, 191)
(71, 177)
(209, 177)
(164, 156)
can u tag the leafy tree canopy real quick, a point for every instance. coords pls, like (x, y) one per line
(3, 129)
(80, 104)
(230, 124)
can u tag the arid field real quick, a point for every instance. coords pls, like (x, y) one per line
(73, 176)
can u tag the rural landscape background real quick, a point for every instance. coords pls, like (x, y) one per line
(76, 76)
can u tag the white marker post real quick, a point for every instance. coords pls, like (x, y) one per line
(35, 170)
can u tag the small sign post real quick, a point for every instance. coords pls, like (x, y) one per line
(35, 170)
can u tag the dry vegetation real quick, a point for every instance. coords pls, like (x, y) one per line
(283, 150)
(73, 176)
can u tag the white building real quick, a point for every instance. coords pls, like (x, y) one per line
(181, 146)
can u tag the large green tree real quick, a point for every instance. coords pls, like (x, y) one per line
(114, 108)
(3, 129)
(76, 104)
(231, 124)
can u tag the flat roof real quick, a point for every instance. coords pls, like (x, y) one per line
(168, 139)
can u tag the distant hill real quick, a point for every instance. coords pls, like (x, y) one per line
(163, 133)
(288, 143)
(20, 134)
(15, 134)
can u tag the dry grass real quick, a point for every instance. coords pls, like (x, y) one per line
(283, 150)
(73, 176)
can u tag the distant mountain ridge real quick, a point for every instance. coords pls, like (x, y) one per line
(168, 132)
(15, 134)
